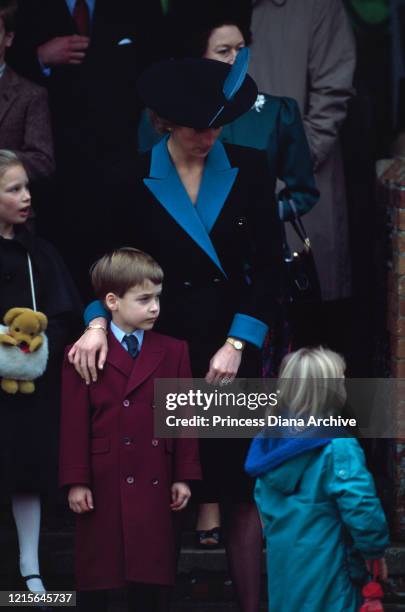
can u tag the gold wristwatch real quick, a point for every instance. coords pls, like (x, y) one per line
(239, 345)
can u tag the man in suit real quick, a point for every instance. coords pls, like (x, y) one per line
(88, 54)
(24, 114)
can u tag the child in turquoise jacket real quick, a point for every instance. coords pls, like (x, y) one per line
(321, 516)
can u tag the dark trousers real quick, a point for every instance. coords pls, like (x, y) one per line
(141, 598)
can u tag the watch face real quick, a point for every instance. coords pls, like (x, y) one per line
(238, 345)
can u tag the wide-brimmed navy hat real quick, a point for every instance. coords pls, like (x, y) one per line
(199, 93)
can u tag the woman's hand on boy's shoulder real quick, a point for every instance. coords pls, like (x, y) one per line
(180, 492)
(80, 499)
(83, 354)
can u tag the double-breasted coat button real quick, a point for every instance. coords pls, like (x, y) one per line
(216, 280)
(127, 441)
(130, 480)
(125, 403)
(155, 481)
(187, 284)
(155, 442)
(241, 221)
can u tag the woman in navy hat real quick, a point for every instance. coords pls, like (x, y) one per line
(205, 211)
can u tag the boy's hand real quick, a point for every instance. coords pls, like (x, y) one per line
(180, 495)
(83, 353)
(382, 568)
(80, 499)
(224, 365)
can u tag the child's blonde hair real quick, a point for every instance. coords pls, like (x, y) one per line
(311, 382)
(8, 159)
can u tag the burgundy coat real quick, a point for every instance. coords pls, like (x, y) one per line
(107, 443)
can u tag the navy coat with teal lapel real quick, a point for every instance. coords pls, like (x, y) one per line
(221, 258)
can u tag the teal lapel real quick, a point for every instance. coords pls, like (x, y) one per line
(168, 189)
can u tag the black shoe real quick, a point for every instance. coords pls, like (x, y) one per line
(39, 606)
(209, 539)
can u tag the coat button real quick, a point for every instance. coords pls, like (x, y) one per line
(130, 480)
(216, 280)
(125, 403)
(342, 472)
(155, 481)
(155, 442)
(187, 284)
(127, 441)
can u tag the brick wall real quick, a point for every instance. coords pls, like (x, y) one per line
(391, 247)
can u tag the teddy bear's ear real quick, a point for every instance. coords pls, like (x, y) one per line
(43, 320)
(12, 314)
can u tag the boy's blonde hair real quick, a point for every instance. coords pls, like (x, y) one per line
(311, 382)
(119, 271)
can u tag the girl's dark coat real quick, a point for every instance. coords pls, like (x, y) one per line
(29, 429)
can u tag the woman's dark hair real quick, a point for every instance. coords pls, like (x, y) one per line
(189, 27)
(196, 45)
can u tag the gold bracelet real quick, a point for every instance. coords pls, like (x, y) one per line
(96, 326)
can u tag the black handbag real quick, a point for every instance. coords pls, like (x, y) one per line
(302, 276)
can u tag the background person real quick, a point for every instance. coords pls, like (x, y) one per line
(88, 54)
(306, 50)
(25, 125)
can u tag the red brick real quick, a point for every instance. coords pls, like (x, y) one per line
(399, 264)
(398, 368)
(399, 198)
(396, 283)
(395, 324)
(398, 242)
(398, 347)
(396, 304)
(399, 219)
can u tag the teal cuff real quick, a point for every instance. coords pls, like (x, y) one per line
(249, 329)
(94, 310)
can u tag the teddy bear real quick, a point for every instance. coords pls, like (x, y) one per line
(23, 349)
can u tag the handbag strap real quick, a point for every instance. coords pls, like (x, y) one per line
(31, 276)
(298, 225)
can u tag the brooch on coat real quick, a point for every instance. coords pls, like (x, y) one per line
(259, 103)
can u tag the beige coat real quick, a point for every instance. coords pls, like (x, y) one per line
(304, 49)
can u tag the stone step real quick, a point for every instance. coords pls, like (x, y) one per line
(203, 584)
(57, 554)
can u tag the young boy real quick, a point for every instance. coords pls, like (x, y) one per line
(123, 483)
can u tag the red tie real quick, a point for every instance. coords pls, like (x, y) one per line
(82, 17)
